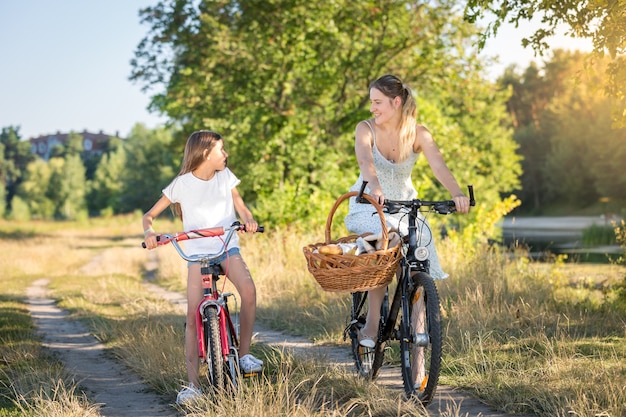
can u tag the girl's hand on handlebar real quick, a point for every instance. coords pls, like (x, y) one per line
(462, 203)
(150, 240)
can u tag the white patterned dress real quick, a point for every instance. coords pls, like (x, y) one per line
(397, 184)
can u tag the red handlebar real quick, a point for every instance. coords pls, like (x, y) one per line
(164, 239)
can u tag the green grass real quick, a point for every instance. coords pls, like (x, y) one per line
(596, 235)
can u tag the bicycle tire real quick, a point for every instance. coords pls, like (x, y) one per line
(421, 348)
(213, 344)
(231, 366)
(366, 360)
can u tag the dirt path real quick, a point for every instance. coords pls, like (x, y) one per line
(122, 394)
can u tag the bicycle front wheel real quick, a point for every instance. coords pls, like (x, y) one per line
(231, 366)
(215, 359)
(421, 341)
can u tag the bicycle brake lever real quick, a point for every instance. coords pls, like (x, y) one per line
(445, 208)
(391, 208)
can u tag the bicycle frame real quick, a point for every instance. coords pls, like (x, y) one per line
(409, 264)
(214, 299)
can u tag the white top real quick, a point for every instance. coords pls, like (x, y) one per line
(397, 184)
(205, 204)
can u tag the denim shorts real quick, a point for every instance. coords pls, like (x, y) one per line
(221, 258)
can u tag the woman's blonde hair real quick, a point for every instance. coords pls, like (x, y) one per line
(199, 145)
(392, 87)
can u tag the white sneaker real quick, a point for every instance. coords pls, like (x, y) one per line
(365, 341)
(249, 364)
(255, 360)
(188, 393)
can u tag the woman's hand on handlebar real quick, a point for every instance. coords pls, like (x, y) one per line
(251, 226)
(377, 194)
(461, 203)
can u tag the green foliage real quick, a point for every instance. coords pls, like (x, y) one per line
(15, 155)
(106, 189)
(56, 188)
(149, 165)
(20, 210)
(67, 187)
(571, 153)
(3, 205)
(604, 22)
(599, 235)
(286, 83)
(34, 190)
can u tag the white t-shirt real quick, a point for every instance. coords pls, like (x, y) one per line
(205, 204)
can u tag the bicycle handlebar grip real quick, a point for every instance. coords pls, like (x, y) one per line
(470, 189)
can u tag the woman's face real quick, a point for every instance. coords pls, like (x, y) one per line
(382, 107)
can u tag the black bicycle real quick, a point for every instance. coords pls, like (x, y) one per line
(415, 303)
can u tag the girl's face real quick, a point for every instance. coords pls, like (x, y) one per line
(382, 107)
(218, 157)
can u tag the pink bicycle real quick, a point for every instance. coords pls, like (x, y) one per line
(218, 340)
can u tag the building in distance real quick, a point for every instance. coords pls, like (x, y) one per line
(94, 144)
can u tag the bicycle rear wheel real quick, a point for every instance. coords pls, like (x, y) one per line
(212, 341)
(421, 341)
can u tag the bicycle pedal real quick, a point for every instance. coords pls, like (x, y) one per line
(250, 374)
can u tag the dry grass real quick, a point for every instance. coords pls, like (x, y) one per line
(527, 337)
(530, 339)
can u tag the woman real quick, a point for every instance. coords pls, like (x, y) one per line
(387, 148)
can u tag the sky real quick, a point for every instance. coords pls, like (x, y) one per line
(64, 65)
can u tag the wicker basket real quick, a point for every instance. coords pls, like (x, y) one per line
(351, 273)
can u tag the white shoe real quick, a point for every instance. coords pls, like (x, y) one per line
(187, 394)
(249, 364)
(365, 341)
(255, 360)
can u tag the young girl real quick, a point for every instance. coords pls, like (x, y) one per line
(204, 195)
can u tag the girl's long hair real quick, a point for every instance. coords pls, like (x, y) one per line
(392, 87)
(198, 146)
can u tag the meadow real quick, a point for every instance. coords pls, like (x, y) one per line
(543, 338)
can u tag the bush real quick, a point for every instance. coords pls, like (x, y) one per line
(19, 210)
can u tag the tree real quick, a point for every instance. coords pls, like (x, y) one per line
(571, 154)
(286, 82)
(14, 157)
(106, 188)
(150, 166)
(33, 190)
(67, 188)
(603, 21)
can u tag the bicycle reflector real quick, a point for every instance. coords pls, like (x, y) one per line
(421, 253)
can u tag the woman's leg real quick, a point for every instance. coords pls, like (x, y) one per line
(239, 275)
(375, 300)
(194, 297)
